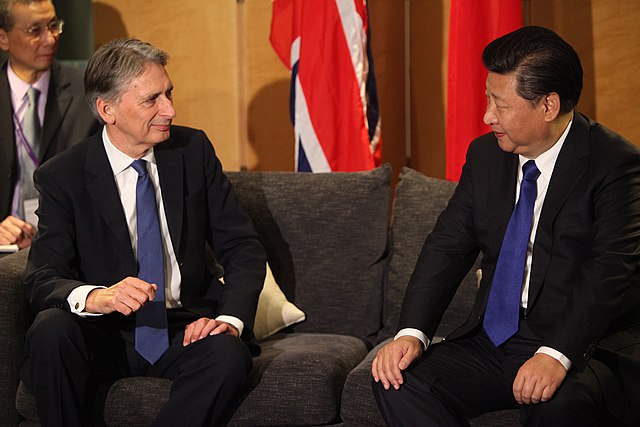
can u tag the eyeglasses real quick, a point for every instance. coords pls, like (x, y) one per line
(36, 31)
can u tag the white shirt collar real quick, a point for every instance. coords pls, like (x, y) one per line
(19, 88)
(546, 161)
(118, 160)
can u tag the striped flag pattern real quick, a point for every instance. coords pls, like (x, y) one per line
(333, 105)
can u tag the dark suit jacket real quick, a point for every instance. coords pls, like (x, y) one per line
(83, 236)
(67, 121)
(585, 283)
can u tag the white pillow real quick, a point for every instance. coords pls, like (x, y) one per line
(275, 312)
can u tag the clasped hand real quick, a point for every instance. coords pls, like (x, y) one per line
(14, 231)
(394, 358)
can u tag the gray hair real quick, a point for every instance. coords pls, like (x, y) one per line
(114, 65)
(6, 7)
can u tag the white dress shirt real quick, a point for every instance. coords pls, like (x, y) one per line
(545, 163)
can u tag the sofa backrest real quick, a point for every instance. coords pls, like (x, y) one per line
(326, 238)
(417, 204)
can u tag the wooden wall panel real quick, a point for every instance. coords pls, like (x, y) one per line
(269, 134)
(616, 51)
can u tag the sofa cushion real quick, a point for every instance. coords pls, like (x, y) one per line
(358, 404)
(326, 237)
(298, 380)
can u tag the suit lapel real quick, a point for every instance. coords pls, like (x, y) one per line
(58, 101)
(7, 145)
(502, 193)
(171, 172)
(566, 173)
(102, 187)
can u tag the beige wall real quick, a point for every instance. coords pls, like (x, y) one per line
(229, 82)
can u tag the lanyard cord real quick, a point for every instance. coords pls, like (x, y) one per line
(22, 139)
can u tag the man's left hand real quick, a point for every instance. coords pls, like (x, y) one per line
(204, 327)
(538, 379)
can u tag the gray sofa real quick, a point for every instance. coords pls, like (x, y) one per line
(343, 252)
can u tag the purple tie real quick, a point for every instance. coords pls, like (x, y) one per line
(152, 337)
(503, 309)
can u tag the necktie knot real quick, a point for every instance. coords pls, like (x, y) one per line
(32, 95)
(530, 171)
(140, 166)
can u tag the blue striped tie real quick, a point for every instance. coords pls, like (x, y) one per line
(503, 309)
(152, 338)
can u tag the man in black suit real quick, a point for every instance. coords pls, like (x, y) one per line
(573, 356)
(85, 278)
(29, 33)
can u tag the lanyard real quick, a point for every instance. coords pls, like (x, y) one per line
(21, 139)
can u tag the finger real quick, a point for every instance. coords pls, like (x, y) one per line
(547, 393)
(187, 335)
(213, 327)
(28, 229)
(517, 389)
(380, 371)
(391, 372)
(220, 328)
(197, 328)
(146, 287)
(374, 369)
(10, 233)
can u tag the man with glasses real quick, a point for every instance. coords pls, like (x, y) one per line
(42, 110)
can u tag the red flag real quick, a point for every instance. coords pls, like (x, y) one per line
(333, 99)
(473, 24)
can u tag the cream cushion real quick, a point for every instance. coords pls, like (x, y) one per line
(275, 312)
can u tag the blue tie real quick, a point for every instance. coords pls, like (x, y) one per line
(152, 338)
(503, 309)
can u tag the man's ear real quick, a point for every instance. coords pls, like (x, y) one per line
(4, 40)
(105, 111)
(551, 105)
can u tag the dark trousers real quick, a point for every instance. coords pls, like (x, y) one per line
(68, 356)
(460, 379)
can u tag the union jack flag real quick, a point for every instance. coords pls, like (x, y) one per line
(334, 104)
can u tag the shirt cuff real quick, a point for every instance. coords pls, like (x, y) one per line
(556, 355)
(77, 299)
(239, 324)
(412, 332)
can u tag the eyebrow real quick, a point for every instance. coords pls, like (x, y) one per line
(146, 97)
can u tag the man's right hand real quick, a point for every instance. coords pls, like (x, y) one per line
(14, 231)
(126, 297)
(394, 358)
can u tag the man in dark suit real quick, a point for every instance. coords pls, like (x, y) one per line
(88, 276)
(29, 33)
(571, 353)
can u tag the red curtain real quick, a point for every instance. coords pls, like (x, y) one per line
(473, 24)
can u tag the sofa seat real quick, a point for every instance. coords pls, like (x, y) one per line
(296, 380)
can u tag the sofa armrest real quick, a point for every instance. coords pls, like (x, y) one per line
(15, 318)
